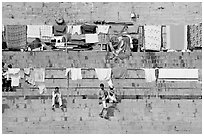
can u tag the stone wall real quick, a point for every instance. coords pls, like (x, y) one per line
(73, 12)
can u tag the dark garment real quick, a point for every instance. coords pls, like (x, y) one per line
(88, 29)
(35, 44)
(59, 30)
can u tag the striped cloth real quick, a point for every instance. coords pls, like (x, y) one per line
(195, 35)
(16, 36)
(46, 31)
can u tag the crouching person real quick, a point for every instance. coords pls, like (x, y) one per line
(56, 98)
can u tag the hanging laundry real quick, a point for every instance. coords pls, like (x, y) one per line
(39, 74)
(152, 36)
(103, 73)
(69, 29)
(59, 30)
(46, 30)
(16, 36)
(76, 29)
(178, 74)
(110, 83)
(91, 38)
(103, 29)
(15, 80)
(150, 75)
(176, 37)
(13, 74)
(132, 29)
(21, 73)
(41, 86)
(88, 29)
(30, 78)
(194, 36)
(33, 31)
(75, 73)
(119, 72)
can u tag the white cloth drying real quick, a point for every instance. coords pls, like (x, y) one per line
(150, 75)
(75, 73)
(33, 31)
(91, 38)
(103, 29)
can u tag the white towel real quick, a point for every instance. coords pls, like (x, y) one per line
(15, 80)
(150, 75)
(103, 73)
(33, 31)
(46, 30)
(76, 29)
(39, 74)
(103, 29)
(12, 71)
(69, 29)
(75, 73)
(178, 74)
(91, 38)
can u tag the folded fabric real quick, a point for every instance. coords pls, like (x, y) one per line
(178, 74)
(88, 29)
(152, 36)
(119, 72)
(39, 74)
(103, 29)
(150, 75)
(59, 30)
(91, 38)
(16, 36)
(75, 73)
(46, 30)
(76, 29)
(33, 31)
(103, 73)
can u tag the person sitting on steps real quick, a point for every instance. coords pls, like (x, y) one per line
(103, 99)
(56, 98)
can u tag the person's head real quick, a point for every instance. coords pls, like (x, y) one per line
(56, 89)
(9, 66)
(102, 86)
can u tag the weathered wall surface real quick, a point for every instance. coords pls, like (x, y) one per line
(135, 116)
(149, 12)
(166, 107)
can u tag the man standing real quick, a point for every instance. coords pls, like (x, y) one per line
(56, 98)
(103, 99)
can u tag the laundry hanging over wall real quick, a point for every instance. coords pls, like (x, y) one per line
(176, 37)
(152, 36)
(16, 36)
(194, 36)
